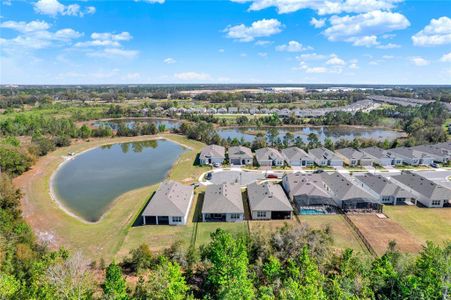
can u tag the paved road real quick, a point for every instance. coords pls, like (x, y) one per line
(244, 178)
(439, 177)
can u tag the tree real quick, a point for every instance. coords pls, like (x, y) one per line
(85, 132)
(140, 259)
(272, 134)
(313, 141)
(114, 286)
(329, 144)
(228, 276)
(288, 139)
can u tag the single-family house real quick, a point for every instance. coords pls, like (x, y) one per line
(232, 110)
(212, 154)
(382, 157)
(240, 155)
(268, 201)
(295, 156)
(169, 205)
(385, 189)
(435, 152)
(413, 157)
(324, 157)
(212, 110)
(223, 203)
(353, 157)
(269, 157)
(264, 111)
(222, 110)
(427, 192)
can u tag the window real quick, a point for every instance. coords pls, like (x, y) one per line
(386, 199)
(436, 202)
(177, 219)
(234, 216)
(261, 214)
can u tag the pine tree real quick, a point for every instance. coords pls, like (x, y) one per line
(114, 286)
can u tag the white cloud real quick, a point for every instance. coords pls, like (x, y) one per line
(262, 54)
(263, 43)
(151, 1)
(108, 45)
(388, 46)
(318, 23)
(169, 61)
(261, 28)
(362, 29)
(36, 35)
(192, 76)
(311, 56)
(221, 50)
(335, 60)
(114, 53)
(292, 46)
(419, 61)
(446, 57)
(437, 32)
(322, 7)
(54, 7)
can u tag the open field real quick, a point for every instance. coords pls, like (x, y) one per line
(379, 232)
(53, 225)
(426, 224)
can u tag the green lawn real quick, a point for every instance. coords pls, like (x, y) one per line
(204, 230)
(433, 224)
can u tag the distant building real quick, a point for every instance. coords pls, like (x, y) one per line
(295, 156)
(223, 203)
(212, 154)
(240, 155)
(382, 157)
(324, 157)
(232, 110)
(353, 157)
(169, 205)
(269, 157)
(413, 157)
(267, 201)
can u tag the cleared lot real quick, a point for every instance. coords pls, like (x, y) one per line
(379, 232)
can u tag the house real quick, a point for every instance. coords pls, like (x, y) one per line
(413, 157)
(223, 203)
(269, 157)
(285, 112)
(438, 154)
(232, 110)
(212, 110)
(169, 205)
(386, 190)
(254, 111)
(268, 201)
(427, 192)
(244, 110)
(353, 157)
(445, 147)
(347, 194)
(240, 155)
(212, 154)
(382, 157)
(222, 110)
(295, 156)
(324, 157)
(264, 111)
(307, 190)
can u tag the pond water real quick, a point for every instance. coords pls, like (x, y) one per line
(334, 133)
(89, 183)
(114, 124)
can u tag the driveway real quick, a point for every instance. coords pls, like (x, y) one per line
(235, 176)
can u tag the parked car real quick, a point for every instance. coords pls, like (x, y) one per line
(434, 165)
(318, 171)
(271, 176)
(208, 176)
(216, 165)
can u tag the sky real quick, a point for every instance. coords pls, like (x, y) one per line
(225, 41)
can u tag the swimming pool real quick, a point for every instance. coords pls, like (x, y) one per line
(312, 211)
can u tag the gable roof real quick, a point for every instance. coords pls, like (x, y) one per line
(212, 151)
(352, 154)
(223, 198)
(171, 199)
(239, 152)
(267, 197)
(323, 153)
(268, 154)
(295, 153)
(432, 150)
(410, 153)
(343, 188)
(306, 184)
(423, 186)
(383, 186)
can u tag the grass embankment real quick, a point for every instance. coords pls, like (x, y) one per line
(104, 238)
(425, 224)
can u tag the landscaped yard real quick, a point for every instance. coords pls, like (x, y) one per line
(425, 224)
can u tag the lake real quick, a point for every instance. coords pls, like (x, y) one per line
(130, 123)
(88, 183)
(335, 133)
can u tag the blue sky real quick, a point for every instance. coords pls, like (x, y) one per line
(239, 41)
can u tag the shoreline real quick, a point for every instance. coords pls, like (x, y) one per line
(68, 211)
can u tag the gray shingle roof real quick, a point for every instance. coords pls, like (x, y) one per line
(223, 198)
(383, 186)
(212, 151)
(432, 150)
(409, 153)
(267, 197)
(268, 154)
(306, 184)
(323, 153)
(240, 152)
(352, 154)
(423, 186)
(344, 189)
(295, 153)
(171, 199)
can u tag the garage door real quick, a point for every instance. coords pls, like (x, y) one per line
(151, 220)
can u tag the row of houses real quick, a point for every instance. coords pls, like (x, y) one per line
(363, 105)
(294, 156)
(171, 203)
